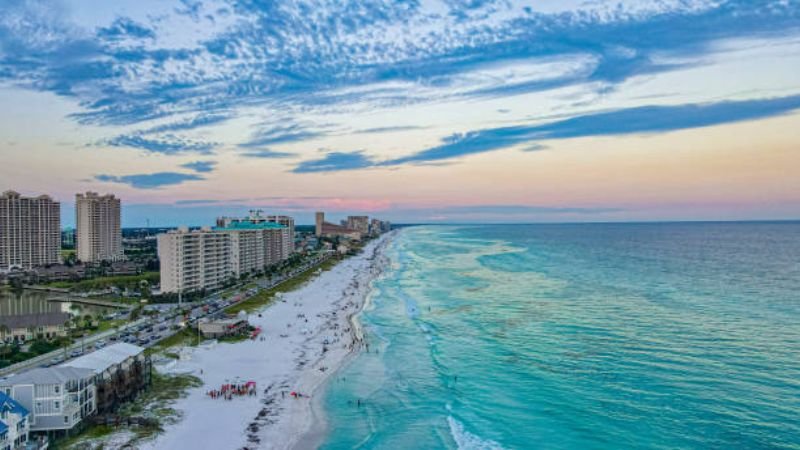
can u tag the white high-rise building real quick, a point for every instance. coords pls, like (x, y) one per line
(30, 231)
(98, 235)
(194, 260)
(206, 258)
(255, 217)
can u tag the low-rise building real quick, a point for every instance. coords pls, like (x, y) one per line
(25, 327)
(121, 372)
(14, 427)
(225, 327)
(58, 398)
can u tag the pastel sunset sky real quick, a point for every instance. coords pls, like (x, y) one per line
(415, 111)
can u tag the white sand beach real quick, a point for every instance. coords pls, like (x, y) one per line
(307, 337)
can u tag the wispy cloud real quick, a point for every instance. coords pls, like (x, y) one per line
(645, 119)
(200, 166)
(335, 161)
(391, 129)
(168, 144)
(279, 134)
(267, 154)
(150, 180)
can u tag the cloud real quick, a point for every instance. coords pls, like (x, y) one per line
(388, 129)
(150, 180)
(291, 54)
(335, 161)
(266, 153)
(167, 144)
(645, 119)
(197, 121)
(125, 28)
(200, 166)
(280, 134)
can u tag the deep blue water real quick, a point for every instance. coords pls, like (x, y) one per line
(595, 336)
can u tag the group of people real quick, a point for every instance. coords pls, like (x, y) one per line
(228, 391)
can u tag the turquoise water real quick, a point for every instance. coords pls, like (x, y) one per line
(656, 336)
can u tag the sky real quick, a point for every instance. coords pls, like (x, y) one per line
(447, 111)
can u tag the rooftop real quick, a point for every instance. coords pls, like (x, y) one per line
(250, 226)
(34, 320)
(9, 404)
(47, 375)
(100, 360)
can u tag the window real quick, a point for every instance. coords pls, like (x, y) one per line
(66, 419)
(57, 404)
(57, 388)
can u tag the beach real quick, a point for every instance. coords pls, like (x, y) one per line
(308, 334)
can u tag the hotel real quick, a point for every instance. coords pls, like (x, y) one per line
(30, 231)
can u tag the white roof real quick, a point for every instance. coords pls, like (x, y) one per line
(100, 360)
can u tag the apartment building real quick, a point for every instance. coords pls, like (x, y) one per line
(58, 398)
(25, 327)
(206, 258)
(358, 223)
(14, 427)
(193, 260)
(256, 217)
(98, 235)
(121, 372)
(30, 231)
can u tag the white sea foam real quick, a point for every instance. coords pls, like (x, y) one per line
(468, 441)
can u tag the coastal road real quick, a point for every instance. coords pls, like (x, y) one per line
(152, 330)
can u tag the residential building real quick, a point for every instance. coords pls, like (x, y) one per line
(194, 260)
(327, 229)
(256, 217)
(68, 237)
(121, 372)
(14, 427)
(30, 231)
(358, 223)
(58, 398)
(207, 258)
(255, 246)
(25, 327)
(99, 234)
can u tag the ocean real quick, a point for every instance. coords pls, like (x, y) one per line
(585, 336)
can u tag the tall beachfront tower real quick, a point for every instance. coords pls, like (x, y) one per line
(320, 216)
(30, 231)
(98, 236)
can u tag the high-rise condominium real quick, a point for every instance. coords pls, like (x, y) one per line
(30, 231)
(98, 236)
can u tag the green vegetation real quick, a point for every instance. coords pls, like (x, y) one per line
(12, 353)
(265, 297)
(119, 281)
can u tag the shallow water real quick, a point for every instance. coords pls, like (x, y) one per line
(579, 336)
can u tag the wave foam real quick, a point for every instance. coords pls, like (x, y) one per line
(468, 441)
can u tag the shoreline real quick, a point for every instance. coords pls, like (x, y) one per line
(315, 435)
(305, 342)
